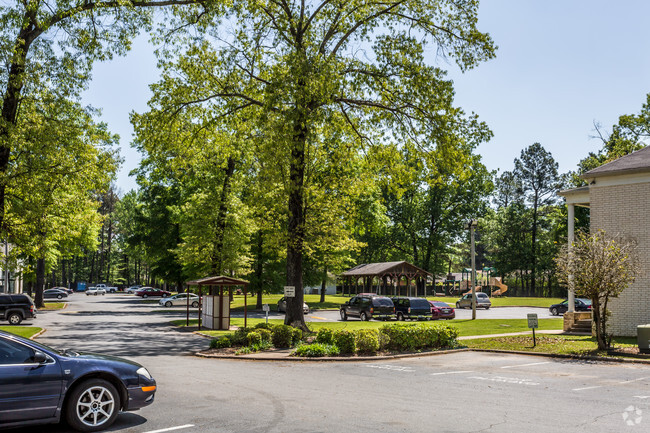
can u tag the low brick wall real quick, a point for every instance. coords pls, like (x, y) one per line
(571, 318)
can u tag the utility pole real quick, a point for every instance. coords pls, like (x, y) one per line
(471, 225)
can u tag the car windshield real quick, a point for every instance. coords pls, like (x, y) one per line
(441, 304)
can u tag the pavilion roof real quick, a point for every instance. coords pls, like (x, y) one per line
(221, 280)
(385, 268)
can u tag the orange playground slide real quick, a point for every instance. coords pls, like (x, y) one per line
(501, 288)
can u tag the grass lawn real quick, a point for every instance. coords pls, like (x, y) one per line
(53, 306)
(23, 331)
(465, 327)
(332, 302)
(559, 344)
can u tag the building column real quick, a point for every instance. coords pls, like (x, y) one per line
(571, 236)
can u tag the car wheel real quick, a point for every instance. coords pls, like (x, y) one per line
(93, 406)
(59, 297)
(145, 296)
(95, 293)
(554, 311)
(14, 318)
(400, 317)
(307, 311)
(363, 316)
(195, 304)
(457, 304)
(344, 315)
(168, 304)
(487, 308)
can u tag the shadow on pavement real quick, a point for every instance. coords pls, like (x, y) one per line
(124, 420)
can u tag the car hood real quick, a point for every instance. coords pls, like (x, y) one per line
(99, 356)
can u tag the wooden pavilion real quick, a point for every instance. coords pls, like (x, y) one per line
(387, 278)
(214, 310)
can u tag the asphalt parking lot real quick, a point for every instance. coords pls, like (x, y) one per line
(458, 392)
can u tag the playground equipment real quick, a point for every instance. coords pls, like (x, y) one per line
(484, 282)
(501, 288)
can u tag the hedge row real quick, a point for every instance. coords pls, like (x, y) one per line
(393, 337)
(262, 336)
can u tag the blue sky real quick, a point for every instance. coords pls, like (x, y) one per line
(561, 65)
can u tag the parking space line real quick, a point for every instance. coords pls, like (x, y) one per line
(319, 318)
(171, 428)
(634, 380)
(526, 365)
(452, 372)
(587, 387)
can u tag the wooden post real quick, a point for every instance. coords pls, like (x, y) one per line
(200, 309)
(220, 308)
(187, 318)
(245, 304)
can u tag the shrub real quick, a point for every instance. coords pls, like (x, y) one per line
(282, 336)
(265, 334)
(296, 336)
(254, 338)
(263, 325)
(367, 341)
(418, 336)
(345, 341)
(316, 350)
(239, 337)
(325, 336)
(220, 343)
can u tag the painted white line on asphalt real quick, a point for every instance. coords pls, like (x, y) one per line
(510, 380)
(643, 397)
(527, 365)
(586, 387)
(453, 372)
(171, 428)
(634, 380)
(391, 367)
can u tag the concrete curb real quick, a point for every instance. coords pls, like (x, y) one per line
(38, 334)
(566, 356)
(329, 359)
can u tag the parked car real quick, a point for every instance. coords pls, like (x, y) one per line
(181, 299)
(41, 385)
(16, 308)
(442, 310)
(367, 307)
(482, 301)
(95, 291)
(581, 304)
(133, 289)
(412, 308)
(65, 289)
(282, 306)
(54, 294)
(146, 292)
(107, 289)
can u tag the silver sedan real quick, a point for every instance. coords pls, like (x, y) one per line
(180, 299)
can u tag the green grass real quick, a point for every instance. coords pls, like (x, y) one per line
(23, 331)
(332, 302)
(556, 344)
(49, 306)
(465, 327)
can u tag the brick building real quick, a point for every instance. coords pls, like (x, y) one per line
(618, 195)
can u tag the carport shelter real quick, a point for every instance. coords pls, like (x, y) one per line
(386, 278)
(214, 310)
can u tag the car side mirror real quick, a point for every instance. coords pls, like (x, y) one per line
(39, 357)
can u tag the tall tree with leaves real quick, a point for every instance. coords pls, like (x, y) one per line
(296, 66)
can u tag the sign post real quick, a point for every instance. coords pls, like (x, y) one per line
(532, 323)
(266, 309)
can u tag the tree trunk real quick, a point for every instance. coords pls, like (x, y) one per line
(40, 283)
(259, 269)
(296, 227)
(217, 256)
(323, 285)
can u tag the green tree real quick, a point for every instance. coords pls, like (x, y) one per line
(537, 171)
(297, 67)
(602, 267)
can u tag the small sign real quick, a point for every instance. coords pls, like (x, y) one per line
(289, 291)
(532, 321)
(266, 308)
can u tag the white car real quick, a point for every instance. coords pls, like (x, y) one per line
(95, 291)
(133, 289)
(180, 299)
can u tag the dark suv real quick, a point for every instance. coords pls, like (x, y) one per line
(412, 308)
(15, 308)
(366, 307)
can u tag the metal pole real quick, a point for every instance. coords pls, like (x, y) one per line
(187, 320)
(571, 236)
(473, 282)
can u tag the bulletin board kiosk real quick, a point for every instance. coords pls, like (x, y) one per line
(214, 307)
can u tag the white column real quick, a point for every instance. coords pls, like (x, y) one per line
(571, 233)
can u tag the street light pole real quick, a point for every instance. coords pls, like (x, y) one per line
(471, 225)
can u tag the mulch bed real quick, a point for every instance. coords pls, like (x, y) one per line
(631, 352)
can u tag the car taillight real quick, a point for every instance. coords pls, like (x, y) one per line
(372, 310)
(409, 310)
(31, 308)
